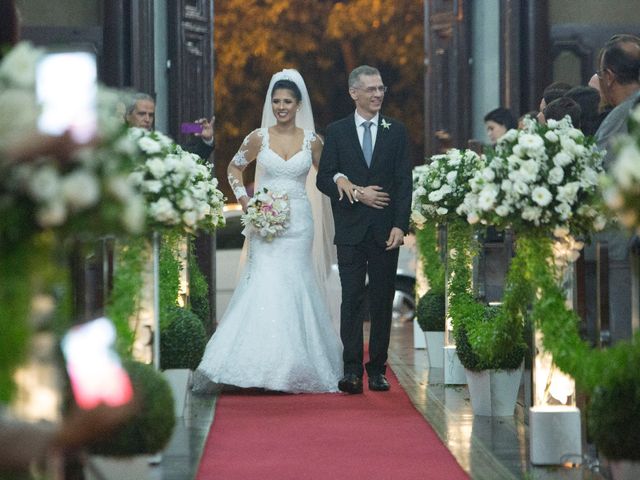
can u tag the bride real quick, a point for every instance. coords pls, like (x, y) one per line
(277, 331)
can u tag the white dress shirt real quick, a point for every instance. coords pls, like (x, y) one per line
(360, 130)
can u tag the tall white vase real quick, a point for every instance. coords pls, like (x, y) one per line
(435, 348)
(494, 392)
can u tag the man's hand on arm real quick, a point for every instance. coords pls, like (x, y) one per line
(396, 238)
(373, 196)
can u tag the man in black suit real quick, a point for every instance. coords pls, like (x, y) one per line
(366, 172)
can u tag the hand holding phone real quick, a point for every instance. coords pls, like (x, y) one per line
(94, 368)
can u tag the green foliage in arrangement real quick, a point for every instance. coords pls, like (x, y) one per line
(131, 255)
(15, 295)
(151, 427)
(485, 338)
(611, 376)
(182, 341)
(431, 312)
(169, 275)
(198, 288)
(432, 266)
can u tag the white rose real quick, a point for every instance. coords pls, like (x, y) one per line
(562, 159)
(163, 211)
(190, 218)
(157, 167)
(473, 218)
(599, 223)
(18, 67)
(541, 196)
(502, 210)
(419, 191)
(149, 145)
(152, 186)
(488, 174)
(435, 196)
(531, 214)
(121, 188)
(80, 189)
(568, 193)
(451, 176)
(52, 214)
(551, 136)
(45, 183)
(136, 178)
(530, 142)
(564, 210)
(442, 211)
(186, 203)
(552, 124)
(520, 188)
(556, 174)
(487, 197)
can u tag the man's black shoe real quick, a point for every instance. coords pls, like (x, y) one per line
(378, 383)
(350, 383)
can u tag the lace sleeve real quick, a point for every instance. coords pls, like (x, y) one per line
(246, 154)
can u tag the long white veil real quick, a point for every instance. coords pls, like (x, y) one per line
(323, 251)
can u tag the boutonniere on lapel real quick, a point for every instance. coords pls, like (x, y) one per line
(385, 124)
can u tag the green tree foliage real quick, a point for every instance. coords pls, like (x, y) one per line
(324, 41)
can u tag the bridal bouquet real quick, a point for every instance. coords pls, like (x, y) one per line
(268, 213)
(622, 187)
(440, 186)
(544, 177)
(178, 186)
(90, 193)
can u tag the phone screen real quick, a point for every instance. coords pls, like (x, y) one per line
(66, 88)
(94, 368)
(191, 128)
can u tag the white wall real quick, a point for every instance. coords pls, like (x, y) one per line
(485, 69)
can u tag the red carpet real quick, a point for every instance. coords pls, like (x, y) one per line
(377, 435)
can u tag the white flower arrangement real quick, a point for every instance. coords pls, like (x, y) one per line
(440, 186)
(622, 185)
(178, 185)
(267, 213)
(89, 193)
(542, 177)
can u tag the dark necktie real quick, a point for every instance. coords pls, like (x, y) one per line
(367, 147)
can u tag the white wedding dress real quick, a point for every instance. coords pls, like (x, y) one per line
(277, 332)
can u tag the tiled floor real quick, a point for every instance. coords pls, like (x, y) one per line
(487, 448)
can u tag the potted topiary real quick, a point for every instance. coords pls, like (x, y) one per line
(182, 344)
(493, 363)
(431, 318)
(125, 454)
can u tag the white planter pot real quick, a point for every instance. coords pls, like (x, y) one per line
(118, 468)
(453, 369)
(418, 336)
(624, 469)
(179, 380)
(555, 435)
(494, 392)
(435, 346)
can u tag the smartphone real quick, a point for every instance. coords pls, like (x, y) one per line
(95, 371)
(66, 89)
(191, 128)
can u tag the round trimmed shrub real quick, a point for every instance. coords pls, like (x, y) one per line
(431, 312)
(183, 341)
(151, 427)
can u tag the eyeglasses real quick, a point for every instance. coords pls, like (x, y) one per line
(372, 90)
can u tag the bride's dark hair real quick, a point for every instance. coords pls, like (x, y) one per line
(287, 85)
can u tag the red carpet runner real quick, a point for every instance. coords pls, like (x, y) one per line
(374, 436)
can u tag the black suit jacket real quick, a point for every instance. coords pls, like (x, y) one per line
(200, 148)
(390, 169)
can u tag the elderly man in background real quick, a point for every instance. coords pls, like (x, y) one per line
(141, 110)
